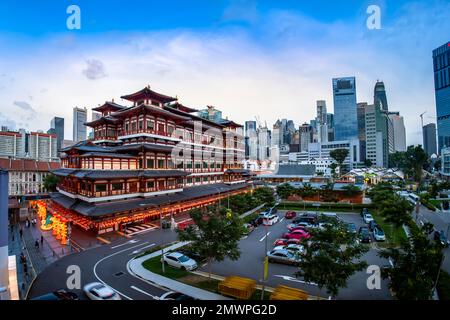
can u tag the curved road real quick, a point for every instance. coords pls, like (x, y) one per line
(106, 264)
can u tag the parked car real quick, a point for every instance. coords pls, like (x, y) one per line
(58, 295)
(172, 295)
(351, 228)
(372, 224)
(284, 242)
(99, 291)
(312, 219)
(293, 227)
(378, 234)
(294, 248)
(297, 234)
(282, 256)
(364, 235)
(180, 261)
(367, 217)
(290, 215)
(439, 237)
(270, 220)
(364, 211)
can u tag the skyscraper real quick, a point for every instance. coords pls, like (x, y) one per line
(379, 135)
(305, 136)
(322, 127)
(441, 67)
(330, 124)
(79, 119)
(429, 139)
(379, 96)
(251, 140)
(399, 133)
(345, 116)
(57, 127)
(361, 114)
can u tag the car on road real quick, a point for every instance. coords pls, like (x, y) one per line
(270, 220)
(284, 242)
(99, 291)
(378, 234)
(180, 261)
(282, 256)
(439, 237)
(297, 234)
(351, 228)
(58, 295)
(294, 248)
(290, 215)
(372, 224)
(172, 295)
(367, 217)
(364, 235)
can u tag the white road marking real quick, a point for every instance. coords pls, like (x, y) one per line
(124, 244)
(109, 256)
(140, 249)
(281, 220)
(260, 240)
(146, 293)
(288, 278)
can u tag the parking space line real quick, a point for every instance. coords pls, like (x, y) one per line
(264, 236)
(146, 293)
(282, 219)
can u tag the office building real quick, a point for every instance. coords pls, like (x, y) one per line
(79, 127)
(345, 115)
(399, 131)
(322, 127)
(379, 96)
(441, 68)
(379, 136)
(330, 124)
(429, 139)
(251, 140)
(32, 145)
(361, 113)
(306, 136)
(57, 128)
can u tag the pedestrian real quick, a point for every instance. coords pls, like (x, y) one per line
(22, 258)
(36, 244)
(42, 241)
(21, 232)
(25, 268)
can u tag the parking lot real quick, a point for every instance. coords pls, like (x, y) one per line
(253, 251)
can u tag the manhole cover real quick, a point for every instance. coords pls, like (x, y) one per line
(118, 274)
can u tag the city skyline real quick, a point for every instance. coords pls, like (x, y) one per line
(289, 77)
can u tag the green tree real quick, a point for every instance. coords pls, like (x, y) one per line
(264, 195)
(396, 210)
(416, 158)
(339, 156)
(307, 190)
(285, 190)
(397, 160)
(50, 182)
(332, 258)
(368, 163)
(216, 234)
(327, 193)
(351, 190)
(415, 266)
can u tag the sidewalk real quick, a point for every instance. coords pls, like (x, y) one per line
(135, 267)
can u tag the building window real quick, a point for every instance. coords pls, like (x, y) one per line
(150, 163)
(100, 187)
(117, 186)
(170, 129)
(150, 125)
(150, 184)
(161, 163)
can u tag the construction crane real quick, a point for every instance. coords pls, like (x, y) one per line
(421, 117)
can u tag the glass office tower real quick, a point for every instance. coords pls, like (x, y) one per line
(441, 67)
(345, 114)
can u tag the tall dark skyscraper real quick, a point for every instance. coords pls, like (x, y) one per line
(441, 67)
(429, 139)
(345, 117)
(379, 96)
(361, 112)
(57, 127)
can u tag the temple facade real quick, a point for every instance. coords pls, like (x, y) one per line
(153, 158)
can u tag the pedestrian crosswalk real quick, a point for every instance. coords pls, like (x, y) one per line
(135, 229)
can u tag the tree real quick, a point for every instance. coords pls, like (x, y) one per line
(415, 158)
(396, 210)
(339, 156)
(264, 195)
(415, 266)
(368, 163)
(307, 190)
(50, 182)
(332, 258)
(285, 190)
(216, 234)
(437, 165)
(397, 160)
(351, 190)
(327, 193)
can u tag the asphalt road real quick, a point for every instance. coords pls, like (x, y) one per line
(106, 264)
(250, 264)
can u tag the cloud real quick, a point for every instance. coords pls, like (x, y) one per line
(94, 70)
(241, 11)
(24, 106)
(7, 122)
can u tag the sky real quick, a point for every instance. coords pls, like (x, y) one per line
(271, 59)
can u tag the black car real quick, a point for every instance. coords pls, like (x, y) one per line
(310, 218)
(439, 237)
(58, 295)
(372, 225)
(351, 228)
(364, 235)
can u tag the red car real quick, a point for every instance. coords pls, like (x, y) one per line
(290, 215)
(285, 242)
(297, 234)
(294, 227)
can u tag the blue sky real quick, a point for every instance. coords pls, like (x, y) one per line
(268, 58)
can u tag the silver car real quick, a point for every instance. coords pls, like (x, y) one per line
(180, 261)
(99, 291)
(282, 256)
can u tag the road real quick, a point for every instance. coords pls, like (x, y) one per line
(106, 264)
(250, 264)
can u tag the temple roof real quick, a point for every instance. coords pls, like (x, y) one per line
(87, 146)
(193, 117)
(112, 207)
(147, 93)
(109, 155)
(109, 105)
(144, 147)
(102, 120)
(119, 174)
(151, 109)
(229, 123)
(179, 106)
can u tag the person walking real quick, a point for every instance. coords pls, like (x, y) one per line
(21, 233)
(36, 244)
(42, 240)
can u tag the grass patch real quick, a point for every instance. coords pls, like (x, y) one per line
(394, 236)
(154, 265)
(443, 287)
(436, 203)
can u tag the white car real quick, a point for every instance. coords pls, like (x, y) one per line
(270, 220)
(180, 261)
(172, 295)
(367, 217)
(294, 248)
(98, 291)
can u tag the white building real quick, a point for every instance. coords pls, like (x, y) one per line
(79, 119)
(399, 132)
(322, 126)
(33, 145)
